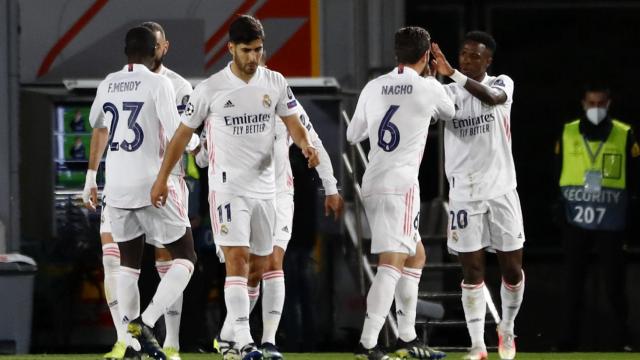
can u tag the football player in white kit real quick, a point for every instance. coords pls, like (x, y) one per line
(273, 277)
(394, 111)
(134, 155)
(239, 105)
(484, 206)
(110, 252)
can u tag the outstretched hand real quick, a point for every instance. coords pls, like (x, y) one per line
(440, 62)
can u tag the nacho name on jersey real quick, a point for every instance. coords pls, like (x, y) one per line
(397, 89)
(473, 125)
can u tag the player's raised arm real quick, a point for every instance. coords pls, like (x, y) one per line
(486, 94)
(300, 136)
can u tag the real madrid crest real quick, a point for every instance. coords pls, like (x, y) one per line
(266, 101)
(224, 230)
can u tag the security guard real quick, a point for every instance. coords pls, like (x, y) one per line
(598, 157)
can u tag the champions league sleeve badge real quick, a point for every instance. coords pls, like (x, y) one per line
(189, 110)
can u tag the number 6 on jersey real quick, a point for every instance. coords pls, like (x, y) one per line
(387, 127)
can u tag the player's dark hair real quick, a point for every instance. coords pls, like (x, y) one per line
(139, 42)
(597, 86)
(245, 29)
(483, 38)
(411, 43)
(154, 27)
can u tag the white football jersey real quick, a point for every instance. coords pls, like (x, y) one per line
(478, 160)
(138, 107)
(394, 111)
(183, 90)
(240, 121)
(284, 175)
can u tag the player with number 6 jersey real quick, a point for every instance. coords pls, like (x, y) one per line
(394, 111)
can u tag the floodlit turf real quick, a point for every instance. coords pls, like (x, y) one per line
(334, 356)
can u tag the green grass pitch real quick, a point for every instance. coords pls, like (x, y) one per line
(345, 356)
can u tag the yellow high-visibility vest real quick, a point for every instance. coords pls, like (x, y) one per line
(611, 160)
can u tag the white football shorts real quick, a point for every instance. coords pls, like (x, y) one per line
(494, 224)
(242, 221)
(177, 203)
(284, 219)
(394, 220)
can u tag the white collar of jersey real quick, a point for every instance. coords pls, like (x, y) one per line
(136, 67)
(405, 69)
(485, 79)
(233, 77)
(162, 70)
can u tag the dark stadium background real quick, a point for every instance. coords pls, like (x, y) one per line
(551, 49)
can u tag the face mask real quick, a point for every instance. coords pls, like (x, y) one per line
(596, 115)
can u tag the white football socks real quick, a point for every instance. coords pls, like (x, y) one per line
(475, 310)
(272, 304)
(236, 298)
(111, 265)
(511, 296)
(406, 297)
(171, 286)
(128, 294)
(172, 314)
(379, 302)
(254, 294)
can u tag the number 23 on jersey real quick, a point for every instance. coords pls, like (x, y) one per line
(134, 110)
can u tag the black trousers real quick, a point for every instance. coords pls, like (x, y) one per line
(602, 252)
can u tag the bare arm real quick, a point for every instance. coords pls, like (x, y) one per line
(486, 94)
(99, 138)
(300, 137)
(171, 156)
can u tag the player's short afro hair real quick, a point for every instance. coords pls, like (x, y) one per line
(483, 38)
(140, 41)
